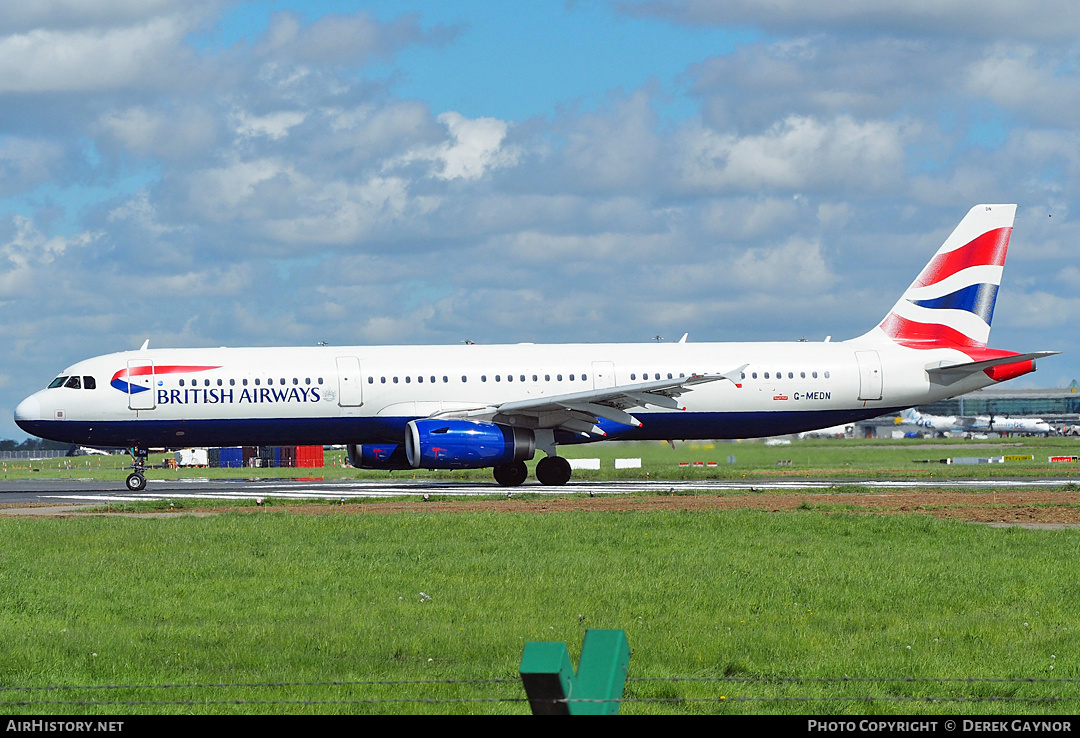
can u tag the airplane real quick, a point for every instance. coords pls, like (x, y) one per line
(974, 423)
(473, 406)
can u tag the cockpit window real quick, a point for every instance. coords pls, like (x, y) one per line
(73, 383)
(58, 382)
(89, 383)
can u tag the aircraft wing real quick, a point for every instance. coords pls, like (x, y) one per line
(581, 412)
(970, 423)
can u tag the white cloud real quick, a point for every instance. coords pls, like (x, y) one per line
(476, 148)
(29, 257)
(1018, 78)
(272, 125)
(344, 39)
(26, 163)
(187, 133)
(1053, 19)
(795, 154)
(93, 59)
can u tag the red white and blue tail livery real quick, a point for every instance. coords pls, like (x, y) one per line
(951, 302)
(469, 406)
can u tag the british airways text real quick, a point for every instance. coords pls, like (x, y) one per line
(217, 396)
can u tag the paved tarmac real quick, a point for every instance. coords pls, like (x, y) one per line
(64, 491)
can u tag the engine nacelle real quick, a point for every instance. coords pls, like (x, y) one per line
(385, 456)
(465, 444)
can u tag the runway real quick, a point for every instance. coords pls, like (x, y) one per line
(89, 491)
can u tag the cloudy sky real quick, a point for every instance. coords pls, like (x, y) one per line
(218, 172)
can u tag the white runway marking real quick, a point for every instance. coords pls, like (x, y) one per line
(289, 490)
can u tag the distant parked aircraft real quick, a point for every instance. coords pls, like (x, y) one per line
(974, 423)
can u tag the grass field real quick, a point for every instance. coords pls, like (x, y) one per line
(807, 612)
(273, 598)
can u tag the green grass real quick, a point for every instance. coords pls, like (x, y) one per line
(270, 597)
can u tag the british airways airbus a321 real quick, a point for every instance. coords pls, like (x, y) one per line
(471, 407)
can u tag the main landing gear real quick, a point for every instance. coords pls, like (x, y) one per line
(136, 481)
(553, 471)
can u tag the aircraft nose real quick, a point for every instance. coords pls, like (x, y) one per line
(28, 410)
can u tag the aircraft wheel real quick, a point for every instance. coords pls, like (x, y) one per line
(553, 471)
(136, 482)
(512, 474)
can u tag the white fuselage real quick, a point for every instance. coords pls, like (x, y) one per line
(354, 394)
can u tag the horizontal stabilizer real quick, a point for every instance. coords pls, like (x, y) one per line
(950, 373)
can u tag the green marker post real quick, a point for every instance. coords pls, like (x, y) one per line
(554, 689)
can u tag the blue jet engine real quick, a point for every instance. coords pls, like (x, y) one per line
(465, 444)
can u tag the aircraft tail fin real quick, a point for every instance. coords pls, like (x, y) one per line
(951, 302)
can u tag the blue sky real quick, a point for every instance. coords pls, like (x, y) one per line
(212, 172)
(517, 60)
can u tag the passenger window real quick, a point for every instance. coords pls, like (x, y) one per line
(464, 379)
(181, 383)
(89, 383)
(826, 375)
(632, 376)
(813, 374)
(558, 377)
(498, 378)
(571, 377)
(408, 380)
(433, 380)
(418, 379)
(509, 377)
(382, 380)
(791, 375)
(232, 382)
(371, 380)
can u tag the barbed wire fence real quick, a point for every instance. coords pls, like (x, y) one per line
(510, 691)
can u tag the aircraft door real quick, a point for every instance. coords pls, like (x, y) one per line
(140, 384)
(603, 373)
(350, 388)
(869, 375)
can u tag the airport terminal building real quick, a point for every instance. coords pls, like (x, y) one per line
(1052, 405)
